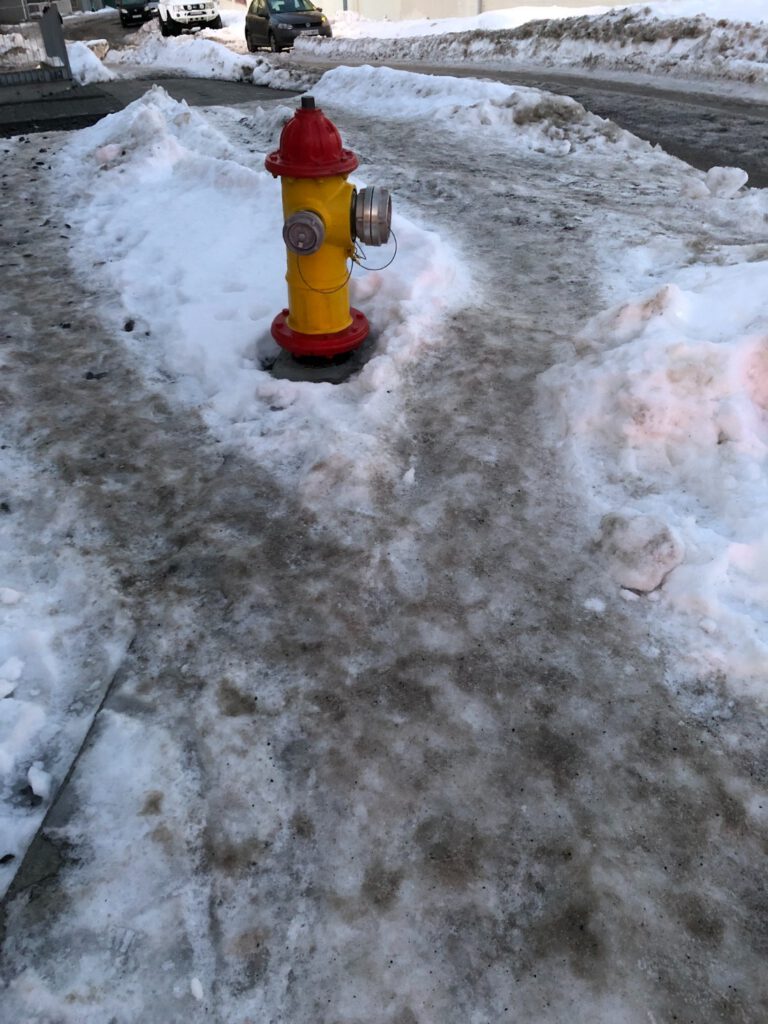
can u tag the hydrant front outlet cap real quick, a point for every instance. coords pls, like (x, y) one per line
(304, 233)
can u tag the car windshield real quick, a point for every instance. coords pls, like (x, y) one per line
(291, 6)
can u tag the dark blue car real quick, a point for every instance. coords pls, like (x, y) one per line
(277, 23)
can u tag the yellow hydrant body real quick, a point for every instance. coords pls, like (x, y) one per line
(318, 204)
(318, 290)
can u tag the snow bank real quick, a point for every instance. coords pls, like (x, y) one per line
(193, 252)
(351, 25)
(201, 56)
(664, 424)
(625, 40)
(86, 66)
(529, 118)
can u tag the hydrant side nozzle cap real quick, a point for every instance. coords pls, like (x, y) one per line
(310, 147)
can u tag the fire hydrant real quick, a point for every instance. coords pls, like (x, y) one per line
(323, 216)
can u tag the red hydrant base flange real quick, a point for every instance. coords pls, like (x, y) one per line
(326, 346)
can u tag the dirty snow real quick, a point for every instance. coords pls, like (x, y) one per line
(699, 418)
(63, 634)
(657, 412)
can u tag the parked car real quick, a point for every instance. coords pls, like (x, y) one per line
(277, 23)
(132, 11)
(176, 15)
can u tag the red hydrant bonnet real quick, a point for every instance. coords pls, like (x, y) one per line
(310, 147)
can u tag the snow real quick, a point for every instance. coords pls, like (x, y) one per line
(675, 38)
(664, 414)
(201, 55)
(661, 38)
(86, 66)
(198, 196)
(535, 121)
(655, 414)
(62, 635)
(351, 25)
(670, 400)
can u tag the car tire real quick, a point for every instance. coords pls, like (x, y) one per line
(216, 23)
(250, 44)
(164, 29)
(273, 43)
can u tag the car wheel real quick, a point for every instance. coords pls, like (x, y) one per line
(164, 28)
(273, 43)
(250, 44)
(216, 23)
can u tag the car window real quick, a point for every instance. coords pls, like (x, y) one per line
(290, 6)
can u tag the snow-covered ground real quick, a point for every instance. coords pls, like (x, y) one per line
(524, 547)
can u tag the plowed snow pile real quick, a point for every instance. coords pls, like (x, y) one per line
(620, 40)
(663, 419)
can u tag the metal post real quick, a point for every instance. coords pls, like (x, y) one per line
(53, 37)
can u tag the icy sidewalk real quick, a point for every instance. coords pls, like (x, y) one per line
(64, 627)
(388, 746)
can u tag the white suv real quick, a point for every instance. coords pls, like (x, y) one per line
(176, 15)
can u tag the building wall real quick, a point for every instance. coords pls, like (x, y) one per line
(398, 10)
(12, 12)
